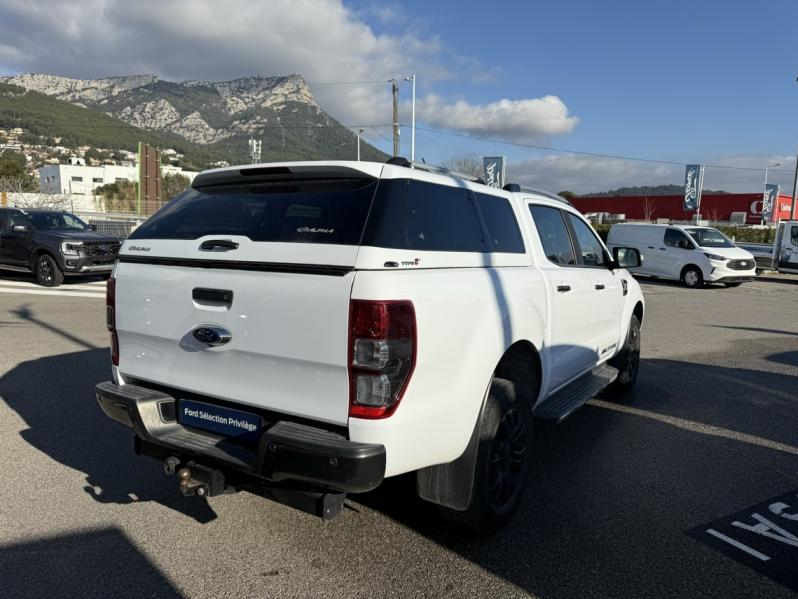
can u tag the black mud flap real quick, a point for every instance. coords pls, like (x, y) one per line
(451, 484)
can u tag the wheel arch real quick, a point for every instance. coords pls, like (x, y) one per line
(451, 484)
(639, 311)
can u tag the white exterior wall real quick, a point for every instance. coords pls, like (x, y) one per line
(63, 178)
(82, 180)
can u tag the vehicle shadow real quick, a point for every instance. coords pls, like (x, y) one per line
(54, 395)
(99, 563)
(612, 493)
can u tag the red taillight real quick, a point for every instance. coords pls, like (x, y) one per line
(110, 318)
(382, 355)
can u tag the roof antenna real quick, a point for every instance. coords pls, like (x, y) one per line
(423, 161)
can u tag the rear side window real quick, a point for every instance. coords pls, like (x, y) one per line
(591, 252)
(553, 234)
(330, 211)
(500, 221)
(442, 218)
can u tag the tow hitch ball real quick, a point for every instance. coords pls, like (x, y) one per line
(195, 479)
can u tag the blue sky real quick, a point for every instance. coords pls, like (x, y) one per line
(681, 81)
(702, 81)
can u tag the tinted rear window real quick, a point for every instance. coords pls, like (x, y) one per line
(442, 218)
(500, 221)
(320, 211)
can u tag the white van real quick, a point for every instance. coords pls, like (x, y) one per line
(691, 254)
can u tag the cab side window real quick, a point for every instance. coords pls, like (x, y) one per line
(591, 252)
(553, 233)
(794, 235)
(676, 239)
(3, 216)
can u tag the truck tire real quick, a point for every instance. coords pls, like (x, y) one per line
(47, 272)
(502, 464)
(628, 360)
(692, 277)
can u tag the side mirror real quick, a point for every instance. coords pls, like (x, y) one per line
(685, 245)
(92, 227)
(627, 257)
(19, 229)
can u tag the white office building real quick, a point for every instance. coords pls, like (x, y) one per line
(83, 180)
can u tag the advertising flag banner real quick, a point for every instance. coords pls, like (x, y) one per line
(693, 175)
(494, 170)
(769, 201)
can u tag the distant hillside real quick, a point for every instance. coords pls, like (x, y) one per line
(645, 190)
(49, 118)
(217, 116)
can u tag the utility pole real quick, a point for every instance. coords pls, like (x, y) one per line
(395, 92)
(254, 150)
(413, 120)
(359, 133)
(794, 190)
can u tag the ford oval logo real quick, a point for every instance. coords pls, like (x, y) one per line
(212, 335)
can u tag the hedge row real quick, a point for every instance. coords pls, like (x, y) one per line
(742, 234)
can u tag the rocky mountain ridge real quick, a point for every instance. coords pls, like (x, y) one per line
(203, 112)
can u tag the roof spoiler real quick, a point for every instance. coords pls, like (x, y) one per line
(276, 174)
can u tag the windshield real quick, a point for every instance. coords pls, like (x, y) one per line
(56, 221)
(710, 238)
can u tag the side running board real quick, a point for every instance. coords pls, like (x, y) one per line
(563, 403)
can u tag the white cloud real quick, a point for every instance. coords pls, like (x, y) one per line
(584, 174)
(517, 120)
(204, 39)
(323, 40)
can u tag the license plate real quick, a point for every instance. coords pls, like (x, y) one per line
(224, 421)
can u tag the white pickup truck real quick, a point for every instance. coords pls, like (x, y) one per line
(780, 256)
(304, 330)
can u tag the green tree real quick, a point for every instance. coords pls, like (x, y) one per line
(121, 196)
(568, 195)
(173, 184)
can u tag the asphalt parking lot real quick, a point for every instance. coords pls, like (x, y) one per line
(620, 501)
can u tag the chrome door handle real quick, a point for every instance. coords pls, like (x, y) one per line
(563, 288)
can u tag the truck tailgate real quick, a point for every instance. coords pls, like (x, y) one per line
(288, 330)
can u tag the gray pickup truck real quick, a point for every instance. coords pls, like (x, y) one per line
(53, 243)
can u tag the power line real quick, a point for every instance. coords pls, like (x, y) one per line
(582, 153)
(333, 83)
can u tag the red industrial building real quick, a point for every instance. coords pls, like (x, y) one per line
(714, 207)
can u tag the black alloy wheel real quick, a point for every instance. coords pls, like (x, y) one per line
(47, 272)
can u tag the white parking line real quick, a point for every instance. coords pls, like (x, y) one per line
(98, 286)
(95, 290)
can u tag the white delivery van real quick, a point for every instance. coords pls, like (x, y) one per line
(691, 254)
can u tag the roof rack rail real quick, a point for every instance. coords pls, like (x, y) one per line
(431, 168)
(552, 196)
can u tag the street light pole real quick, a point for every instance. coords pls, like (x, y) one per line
(413, 120)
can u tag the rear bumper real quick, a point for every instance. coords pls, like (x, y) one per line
(287, 451)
